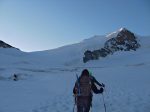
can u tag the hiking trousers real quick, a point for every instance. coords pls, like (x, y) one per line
(84, 103)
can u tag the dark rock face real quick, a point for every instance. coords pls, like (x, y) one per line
(124, 41)
(4, 45)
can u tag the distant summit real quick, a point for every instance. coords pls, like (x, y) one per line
(124, 40)
(123, 29)
(120, 40)
(5, 45)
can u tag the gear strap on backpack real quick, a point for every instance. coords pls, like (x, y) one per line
(85, 85)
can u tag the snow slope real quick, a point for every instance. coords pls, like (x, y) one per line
(46, 78)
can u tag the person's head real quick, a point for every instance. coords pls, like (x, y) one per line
(85, 72)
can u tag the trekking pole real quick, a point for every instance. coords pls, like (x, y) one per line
(104, 102)
(74, 103)
(74, 107)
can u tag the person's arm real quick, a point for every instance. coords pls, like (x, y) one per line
(96, 90)
(95, 81)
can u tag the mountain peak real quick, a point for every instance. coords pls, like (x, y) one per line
(120, 40)
(123, 29)
(118, 32)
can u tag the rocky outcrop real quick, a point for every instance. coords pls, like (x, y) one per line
(123, 41)
(5, 45)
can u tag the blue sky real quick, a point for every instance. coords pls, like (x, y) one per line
(34, 25)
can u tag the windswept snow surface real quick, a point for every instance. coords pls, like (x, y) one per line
(46, 79)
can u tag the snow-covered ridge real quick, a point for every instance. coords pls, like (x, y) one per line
(66, 55)
(46, 78)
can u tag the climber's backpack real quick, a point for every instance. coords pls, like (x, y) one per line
(85, 85)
